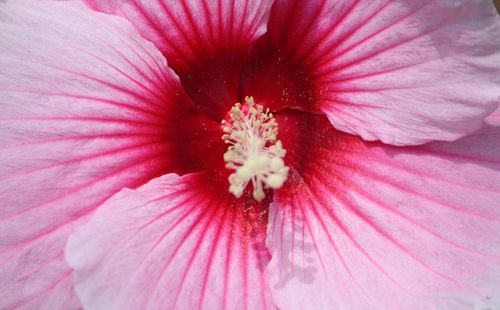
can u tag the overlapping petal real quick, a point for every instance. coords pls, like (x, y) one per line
(88, 107)
(206, 42)
(369, 226)
(403, 72)
(176, 242)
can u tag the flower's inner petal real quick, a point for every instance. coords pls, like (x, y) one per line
(206, 42)
(87, 108)
(370, 226)
(176, 242)
(404, 72)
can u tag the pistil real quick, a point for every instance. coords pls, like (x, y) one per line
(253, 153)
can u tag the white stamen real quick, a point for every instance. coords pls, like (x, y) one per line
(253, 152)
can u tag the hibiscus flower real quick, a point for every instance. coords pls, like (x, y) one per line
(360, 169)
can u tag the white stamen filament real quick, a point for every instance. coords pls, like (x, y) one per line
(253, 152)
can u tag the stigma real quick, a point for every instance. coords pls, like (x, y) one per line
(253, 152)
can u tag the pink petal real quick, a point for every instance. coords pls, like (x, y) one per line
(206, 42)
(174, 243)
(87, 108)
(403, 72)
(367, 226)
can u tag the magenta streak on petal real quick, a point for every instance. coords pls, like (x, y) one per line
(179, 54)
(210, 26)
(386, 207)
(424, 174)
(76, 190)
(84, 119)
(330, 239)
(345, 230)
(192, 25)
(115, 103)
(379, 178)
(302, 57)
(231, 20)
(122, 73)
(405, 250)
(101, 60)
(368, 57)
(89, 157)
(255, 22)
(242, 21)
(291, 50)
(113, 86)
(187, 201)
(157, 87)
(336, 107)
(244, 262)
(159, 69)
(321, 222)
(119, 135)
(195, 251)
(182, 31)
(156, 80)
(365, 253)
(325, 60)
(220, 18)
(336, 249)
(372, 110)
(371, 74)
(229, 255)
(212, 252)
(79, 189)
(349, 234)
(199, 218)
(186, 236)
